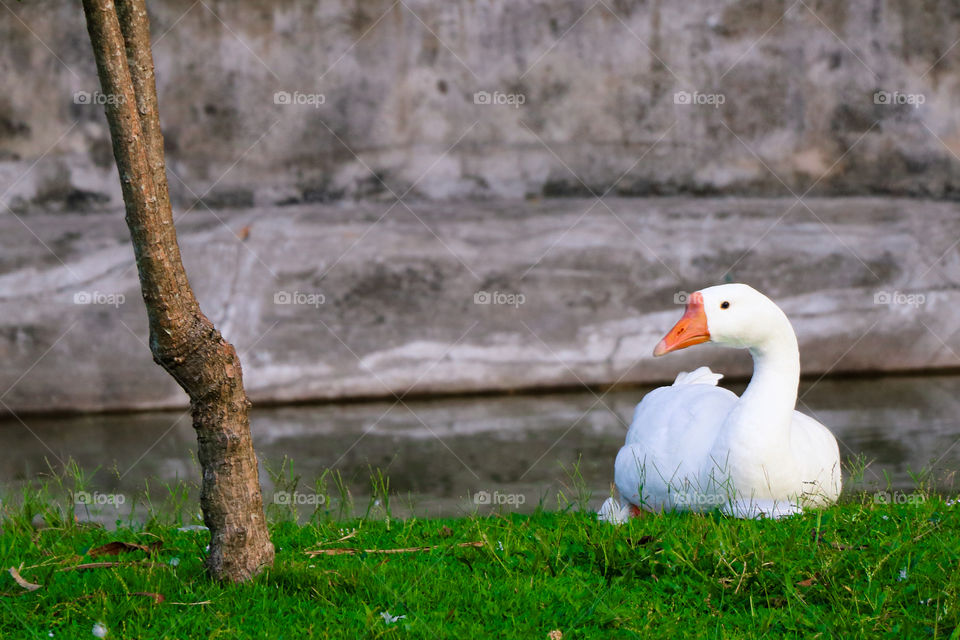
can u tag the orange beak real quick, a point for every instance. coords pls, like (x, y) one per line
(690, 330)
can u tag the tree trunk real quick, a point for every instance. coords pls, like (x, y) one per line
(182, 339)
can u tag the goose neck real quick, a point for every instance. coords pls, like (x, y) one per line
(771, 396)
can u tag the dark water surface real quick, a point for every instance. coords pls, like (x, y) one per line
(440, 455)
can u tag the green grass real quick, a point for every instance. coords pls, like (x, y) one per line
(858, 569)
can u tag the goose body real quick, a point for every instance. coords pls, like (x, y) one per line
(696, 446)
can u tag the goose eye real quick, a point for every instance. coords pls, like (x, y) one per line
(724, 305)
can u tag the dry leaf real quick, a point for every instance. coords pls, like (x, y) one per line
(157, 597)
(809, 582)
(29, 586)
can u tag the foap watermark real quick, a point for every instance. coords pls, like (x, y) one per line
(499, 298)
(887, 98)
(99, 499)
(99, 297)
(681, 297)
(497, 498)
(299, 297)
(699, 99)
(299, 97)
(514, 100)
(287, 498)
(697, 499)
(899, 299)
(898, 497)
(97, 97)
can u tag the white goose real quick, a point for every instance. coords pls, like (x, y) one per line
(696, 446)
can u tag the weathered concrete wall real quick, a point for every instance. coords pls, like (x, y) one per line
(327, 301)
(598, 81)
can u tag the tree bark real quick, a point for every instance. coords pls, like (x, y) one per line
(182, 339)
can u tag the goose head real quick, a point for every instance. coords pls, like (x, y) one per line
(731, 315)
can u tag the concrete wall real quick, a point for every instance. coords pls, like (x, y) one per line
(331, 302)
(788, 92)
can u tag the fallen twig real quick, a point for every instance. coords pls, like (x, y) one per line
(105, 565)
(352, 551)
(346, 537)
(156, 597)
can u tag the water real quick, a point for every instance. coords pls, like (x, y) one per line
(441, 454)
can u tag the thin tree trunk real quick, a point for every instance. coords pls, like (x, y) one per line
(183, 340)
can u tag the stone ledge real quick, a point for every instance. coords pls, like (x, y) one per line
(579, 292)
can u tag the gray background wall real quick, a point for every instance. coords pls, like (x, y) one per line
(598, 78)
